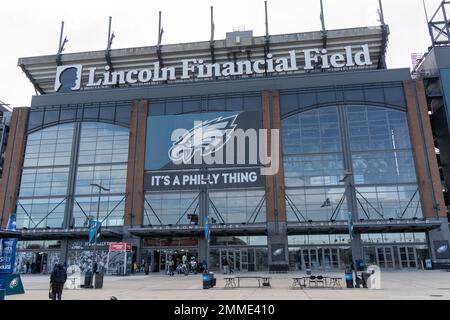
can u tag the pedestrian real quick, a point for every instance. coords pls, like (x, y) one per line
(225, 265)
(185, 264)
(28, 266)
(146, 268)
(57, 279)
(193, 265)
(171, 266)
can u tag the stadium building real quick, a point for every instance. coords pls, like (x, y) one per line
(356, 177)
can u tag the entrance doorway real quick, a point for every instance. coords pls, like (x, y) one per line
(385, 257)
(408, 257)
(327, 258)
(238, 259)
(41, 262)
(177, 256)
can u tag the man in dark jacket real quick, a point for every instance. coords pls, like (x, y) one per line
(57, 279)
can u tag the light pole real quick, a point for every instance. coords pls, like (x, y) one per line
(100, 188)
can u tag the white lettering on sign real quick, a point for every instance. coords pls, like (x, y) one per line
(221, 179)
(198, 69)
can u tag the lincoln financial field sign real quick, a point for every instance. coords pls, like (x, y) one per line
(69, 77)
(231, 145)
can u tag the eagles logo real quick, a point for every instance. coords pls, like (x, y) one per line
(205, 138)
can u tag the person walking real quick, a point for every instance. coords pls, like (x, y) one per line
(171, 265)
(57, 279)
(225, 265)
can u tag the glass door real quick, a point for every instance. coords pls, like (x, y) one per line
(305, 258)
(314, 258)
(408, 257)
(335, 258)
(251, 254)
(385, 257)
(237, 260)
(327, 258)
(389, 254)
(244, 260)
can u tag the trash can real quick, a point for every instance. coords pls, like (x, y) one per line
(2, 294)
(98, 283)
(212, 280)
(206, 280)
(365, 278)
(428, 264)
(88, 280)
(349, 278)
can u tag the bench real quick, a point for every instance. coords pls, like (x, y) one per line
(299, 282)
(229, 282)
(335, 283)
(262, 281)
(248, 277)
(326, 282)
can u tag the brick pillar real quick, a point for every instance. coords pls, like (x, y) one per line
(134, 202)
(427, 170)
(14, 154)
(275, 193)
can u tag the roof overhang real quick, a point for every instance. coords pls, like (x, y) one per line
(41, 71)
(195, 230)
(372, 226)
(9, 234)
(59, 234)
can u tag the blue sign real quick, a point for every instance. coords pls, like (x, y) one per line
(94, 230)
(8, 248)
(350, 224)
(206, 228)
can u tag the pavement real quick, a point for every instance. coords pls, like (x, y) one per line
(396, 285)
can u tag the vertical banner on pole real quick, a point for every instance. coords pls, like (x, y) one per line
(206, 228)
(8, 248)
(350, 224)
(9, 282)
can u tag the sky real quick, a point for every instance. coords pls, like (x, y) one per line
(31, 28)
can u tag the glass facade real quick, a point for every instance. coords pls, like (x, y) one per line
(313, 165)
(383, 164)
(380, 154)
(46, 185)
(233, 206)
(103, 157)
(45, 177)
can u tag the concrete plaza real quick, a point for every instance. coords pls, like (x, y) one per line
(396, 285)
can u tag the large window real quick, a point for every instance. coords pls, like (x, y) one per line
(103, 158)
(381, 160)
(45, 178)
(226, 206)
(313, 164)
(383, 165)
(46, 185)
